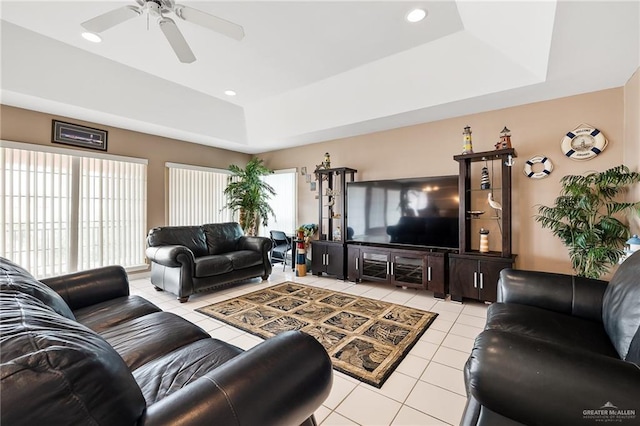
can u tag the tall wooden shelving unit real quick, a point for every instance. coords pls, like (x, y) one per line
(473, 274)
(328, 255)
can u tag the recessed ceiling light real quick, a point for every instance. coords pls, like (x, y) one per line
(229, 93)
(416, 15)
(92, 37)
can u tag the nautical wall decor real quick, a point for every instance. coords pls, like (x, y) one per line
(583, 143)
(546, 163)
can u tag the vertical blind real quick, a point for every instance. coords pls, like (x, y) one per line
(113, 211)
(63, 212)
(196, 195)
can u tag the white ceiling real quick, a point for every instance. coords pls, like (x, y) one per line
(312, 71)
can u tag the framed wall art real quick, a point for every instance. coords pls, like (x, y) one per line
(80, 136)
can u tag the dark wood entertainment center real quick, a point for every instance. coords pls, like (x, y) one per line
(329, 252)
(473, 274)
(462, 273)
(401, 266)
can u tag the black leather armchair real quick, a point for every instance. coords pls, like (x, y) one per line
(558, 350)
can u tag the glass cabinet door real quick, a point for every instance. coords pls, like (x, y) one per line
(408, 270)
(375, 266)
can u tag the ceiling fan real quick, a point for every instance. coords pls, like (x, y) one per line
(157, 8)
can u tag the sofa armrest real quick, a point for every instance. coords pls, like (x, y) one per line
(538, 382)
(85, 288)
(261, 244)
(567, 294)
(281, 381)
(172, 256)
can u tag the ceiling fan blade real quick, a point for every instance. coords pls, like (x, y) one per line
(111, 19)
(211, 22)
(176, 40)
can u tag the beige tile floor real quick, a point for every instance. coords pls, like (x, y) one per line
(427, 388)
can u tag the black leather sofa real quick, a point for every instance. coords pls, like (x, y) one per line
(189, 259)
(558, 350)
(89, 353)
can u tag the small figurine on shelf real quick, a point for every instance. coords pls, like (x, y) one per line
(327, 161)
(485, 183)
(505, 139)
(468, 145)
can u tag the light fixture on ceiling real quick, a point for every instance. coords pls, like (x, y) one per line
(92, 37)
(416, 15)
(230, 93)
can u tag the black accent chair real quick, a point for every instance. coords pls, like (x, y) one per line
(558, 350)
(281, 246)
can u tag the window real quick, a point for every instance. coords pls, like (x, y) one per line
(196, 195)
(284, 203)
(64, 210)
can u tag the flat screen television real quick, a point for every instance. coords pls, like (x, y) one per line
(412, 211)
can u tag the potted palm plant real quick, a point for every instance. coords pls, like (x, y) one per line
(248, 194)
(584, 218)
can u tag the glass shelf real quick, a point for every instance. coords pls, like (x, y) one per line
(495, 188)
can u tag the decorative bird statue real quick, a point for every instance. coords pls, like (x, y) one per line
(494, 204)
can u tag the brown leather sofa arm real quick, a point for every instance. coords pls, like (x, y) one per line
(85, 288)
(281, 381)
(567, 294)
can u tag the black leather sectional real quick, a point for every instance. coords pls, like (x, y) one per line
(558, 350)
(80, 350)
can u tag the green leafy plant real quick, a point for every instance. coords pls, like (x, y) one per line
(249, 195)
(584, 218)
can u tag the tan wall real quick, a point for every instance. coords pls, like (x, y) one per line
(632, 138)
(428, 150)
(21, 125)
(420, 150)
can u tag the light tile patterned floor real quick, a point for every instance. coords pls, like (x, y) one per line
(427, 387)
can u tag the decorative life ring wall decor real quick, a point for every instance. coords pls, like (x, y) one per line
(583, 143)
(528, 167)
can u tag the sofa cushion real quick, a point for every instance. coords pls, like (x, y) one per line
(208, 266)
(244, 259)
(171, 372)
(621, 309)
(149, 337)
(222, 237)
(110, 313)
(549, 326)
(56, 371)
(14, 277)
(191, 237)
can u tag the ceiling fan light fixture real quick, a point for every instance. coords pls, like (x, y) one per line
(230, 92)
(416, 15)
(92, 37)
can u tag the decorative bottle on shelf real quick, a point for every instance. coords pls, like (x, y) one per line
(484, 240)
(468, 145)
(484, 179)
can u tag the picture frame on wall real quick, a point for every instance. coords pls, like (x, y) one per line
(80, 136)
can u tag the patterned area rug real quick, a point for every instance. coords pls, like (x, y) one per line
(365, 338)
